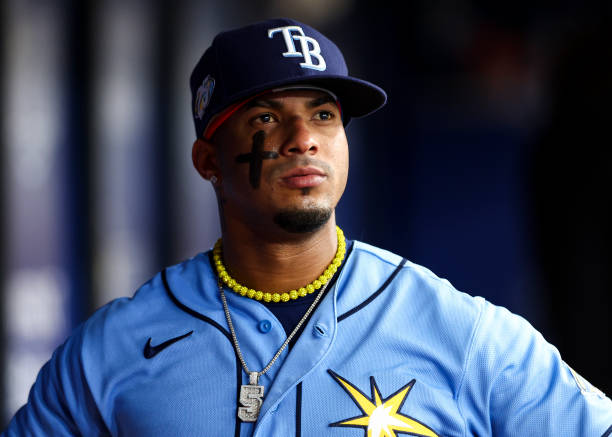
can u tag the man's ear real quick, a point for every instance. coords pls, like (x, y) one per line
(204, 156)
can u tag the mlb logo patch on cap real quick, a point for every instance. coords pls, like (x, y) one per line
(203, 96)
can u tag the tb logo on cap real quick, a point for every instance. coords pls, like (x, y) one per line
(310, 47)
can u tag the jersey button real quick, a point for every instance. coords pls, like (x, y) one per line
(264, 326)
(320, 330)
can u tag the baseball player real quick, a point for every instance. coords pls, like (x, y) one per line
(285, 327)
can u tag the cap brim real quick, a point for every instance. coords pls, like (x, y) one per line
(358, 97)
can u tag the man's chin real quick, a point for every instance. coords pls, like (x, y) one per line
(302, 221)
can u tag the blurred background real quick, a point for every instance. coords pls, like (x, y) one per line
(488, 165)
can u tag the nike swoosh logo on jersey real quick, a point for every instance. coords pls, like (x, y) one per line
(151, 351)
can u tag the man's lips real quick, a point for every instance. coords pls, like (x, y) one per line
(303, 177)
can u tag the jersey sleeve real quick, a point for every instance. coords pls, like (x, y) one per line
(515, 383)
(59, 403)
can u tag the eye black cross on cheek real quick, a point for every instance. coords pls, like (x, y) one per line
(256, 157)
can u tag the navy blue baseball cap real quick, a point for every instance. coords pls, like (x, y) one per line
(271, 54)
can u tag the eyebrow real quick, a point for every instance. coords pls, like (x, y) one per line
(321, 101)
(274, 104)
(265, 103)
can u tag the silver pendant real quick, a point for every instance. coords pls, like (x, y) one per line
(251, 399)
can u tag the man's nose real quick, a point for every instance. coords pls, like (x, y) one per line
(300, 139)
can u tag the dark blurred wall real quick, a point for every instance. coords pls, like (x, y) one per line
(572, 203)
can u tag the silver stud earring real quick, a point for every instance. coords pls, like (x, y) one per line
(213, 179)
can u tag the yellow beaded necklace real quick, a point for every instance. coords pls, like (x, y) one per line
(280, 297)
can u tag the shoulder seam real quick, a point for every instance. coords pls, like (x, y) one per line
(86, 383)
(365, 250)
(466, 363)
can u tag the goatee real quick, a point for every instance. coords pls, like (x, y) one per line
(302, 221)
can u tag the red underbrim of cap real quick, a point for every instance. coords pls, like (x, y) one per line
(222, 117)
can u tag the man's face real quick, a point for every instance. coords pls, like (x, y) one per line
(282, 158)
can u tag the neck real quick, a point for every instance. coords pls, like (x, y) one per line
(279, 262)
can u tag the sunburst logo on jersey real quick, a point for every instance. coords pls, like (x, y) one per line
(381, 417)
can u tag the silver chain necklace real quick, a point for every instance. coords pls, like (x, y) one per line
(251, 395)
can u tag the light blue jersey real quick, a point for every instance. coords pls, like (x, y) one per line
(391, 350)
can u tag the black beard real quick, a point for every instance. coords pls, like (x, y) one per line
(300, 221)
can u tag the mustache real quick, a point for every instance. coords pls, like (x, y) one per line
(301, 161)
